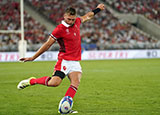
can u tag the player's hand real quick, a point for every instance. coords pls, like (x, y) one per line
(26, 59)
(101, 6)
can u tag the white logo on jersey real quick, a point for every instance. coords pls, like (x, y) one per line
(74, 34)
(77, 27)
(67, 30)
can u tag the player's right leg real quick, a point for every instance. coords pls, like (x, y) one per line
(57, 78)
(48, 81)
(53, 81)
(24, 83)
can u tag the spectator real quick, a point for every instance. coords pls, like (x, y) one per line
(148, 8)
(10, 20)
(110, 33)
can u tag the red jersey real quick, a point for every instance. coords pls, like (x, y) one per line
(69, 40)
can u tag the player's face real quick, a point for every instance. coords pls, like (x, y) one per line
(69, 19)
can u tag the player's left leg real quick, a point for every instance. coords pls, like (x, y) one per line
(75, 81)
(74, 78)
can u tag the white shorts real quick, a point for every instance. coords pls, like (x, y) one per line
(68, 66)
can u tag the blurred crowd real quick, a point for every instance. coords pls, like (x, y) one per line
(103, 32)
(35, 33)
(148, 8)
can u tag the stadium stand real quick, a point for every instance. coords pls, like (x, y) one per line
(103, 32)
(148, 8)
(35, 34)
(106, 31)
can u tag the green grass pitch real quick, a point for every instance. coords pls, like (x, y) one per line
(108, 87)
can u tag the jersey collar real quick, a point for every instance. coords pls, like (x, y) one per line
(65, 24)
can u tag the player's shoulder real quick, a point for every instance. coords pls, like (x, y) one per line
(78, 19)
(59, 27)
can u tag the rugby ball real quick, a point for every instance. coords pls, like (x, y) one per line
(65, 105)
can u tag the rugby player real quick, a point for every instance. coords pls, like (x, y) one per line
(67, 34)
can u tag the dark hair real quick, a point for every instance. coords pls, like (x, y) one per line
(70, 11)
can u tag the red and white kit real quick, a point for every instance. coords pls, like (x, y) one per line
(69, 40)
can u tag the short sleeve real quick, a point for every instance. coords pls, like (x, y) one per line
(56, 33)
(78, 20)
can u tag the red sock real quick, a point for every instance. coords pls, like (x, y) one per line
(43, 80)
(71, 91)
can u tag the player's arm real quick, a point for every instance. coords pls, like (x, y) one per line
(91, 14)
(41, 50)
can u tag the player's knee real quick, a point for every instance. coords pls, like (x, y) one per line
(54, 82)
(75, 83)
(78, 82)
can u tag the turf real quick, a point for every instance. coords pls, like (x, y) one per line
(108, 87)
